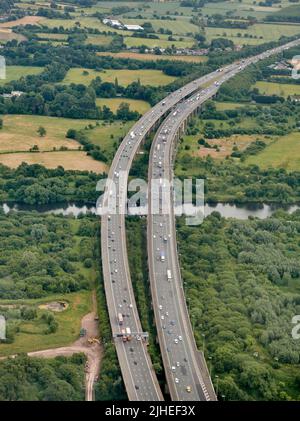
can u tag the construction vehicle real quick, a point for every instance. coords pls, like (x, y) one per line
(93, 341)
(82, 332)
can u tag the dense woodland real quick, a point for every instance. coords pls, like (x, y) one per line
(41, 256)
(228, 181)
(242, 283)
(33, 379)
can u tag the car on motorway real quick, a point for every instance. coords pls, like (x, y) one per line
(176, 341)
(176, 380)
(188, 389)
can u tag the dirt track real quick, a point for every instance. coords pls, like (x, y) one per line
(92, 351)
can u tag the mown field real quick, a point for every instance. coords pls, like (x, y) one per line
(178, 27)
(155, 57)
(282, 153)
(56, 37)
(69, 160)
(99, 39)
(8, 35)
(19, 132)
(152, 43)
(16, 72)
(281, 89)
(27, 20)
(221, 106)
(262, 33)
(124, 76)
(114, 103)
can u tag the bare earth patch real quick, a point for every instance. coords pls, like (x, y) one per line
(69, 160)
(56, 306)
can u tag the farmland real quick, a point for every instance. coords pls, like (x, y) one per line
(257, 34)
(27, 20)
(9, 35)
(19, 132)
(16, 72)
(70, 160)
(281, 89)
(125, 77)
(178, 27)
(284, 152)
(161, 43)
(134, 104)
(155, 57)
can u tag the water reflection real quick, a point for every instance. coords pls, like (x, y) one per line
(227, 210)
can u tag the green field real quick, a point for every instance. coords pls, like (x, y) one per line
(31, 337)
(262, 32)
(152, 43)
(221, 106)
(85, 22)
(155, 57)
(178, 27)
(16, 72)
(19, 132)
(125, 77)
(99, 39)
(281, 89)
(282, 153)
(56, 37)
(114, 103)
(108, 136)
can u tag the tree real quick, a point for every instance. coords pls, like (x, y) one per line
(42, 131)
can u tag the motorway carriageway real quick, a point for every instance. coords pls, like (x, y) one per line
(137, 371)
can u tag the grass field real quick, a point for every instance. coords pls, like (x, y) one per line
(108, 135)
(178, 27)
(282, 89)
(8, 35)
(268, 32)
(113, 104)
(152, 43)
(16, 72)
(19, 132)
(125, 77)
(26, 20)
(221, 106)
(282, 153)
(69, 322)
(99, 39)
(225, 146)
(155, 57)
(85, 22)
(56, 37)
(69, 160)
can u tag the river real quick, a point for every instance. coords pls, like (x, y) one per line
(227, 210)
